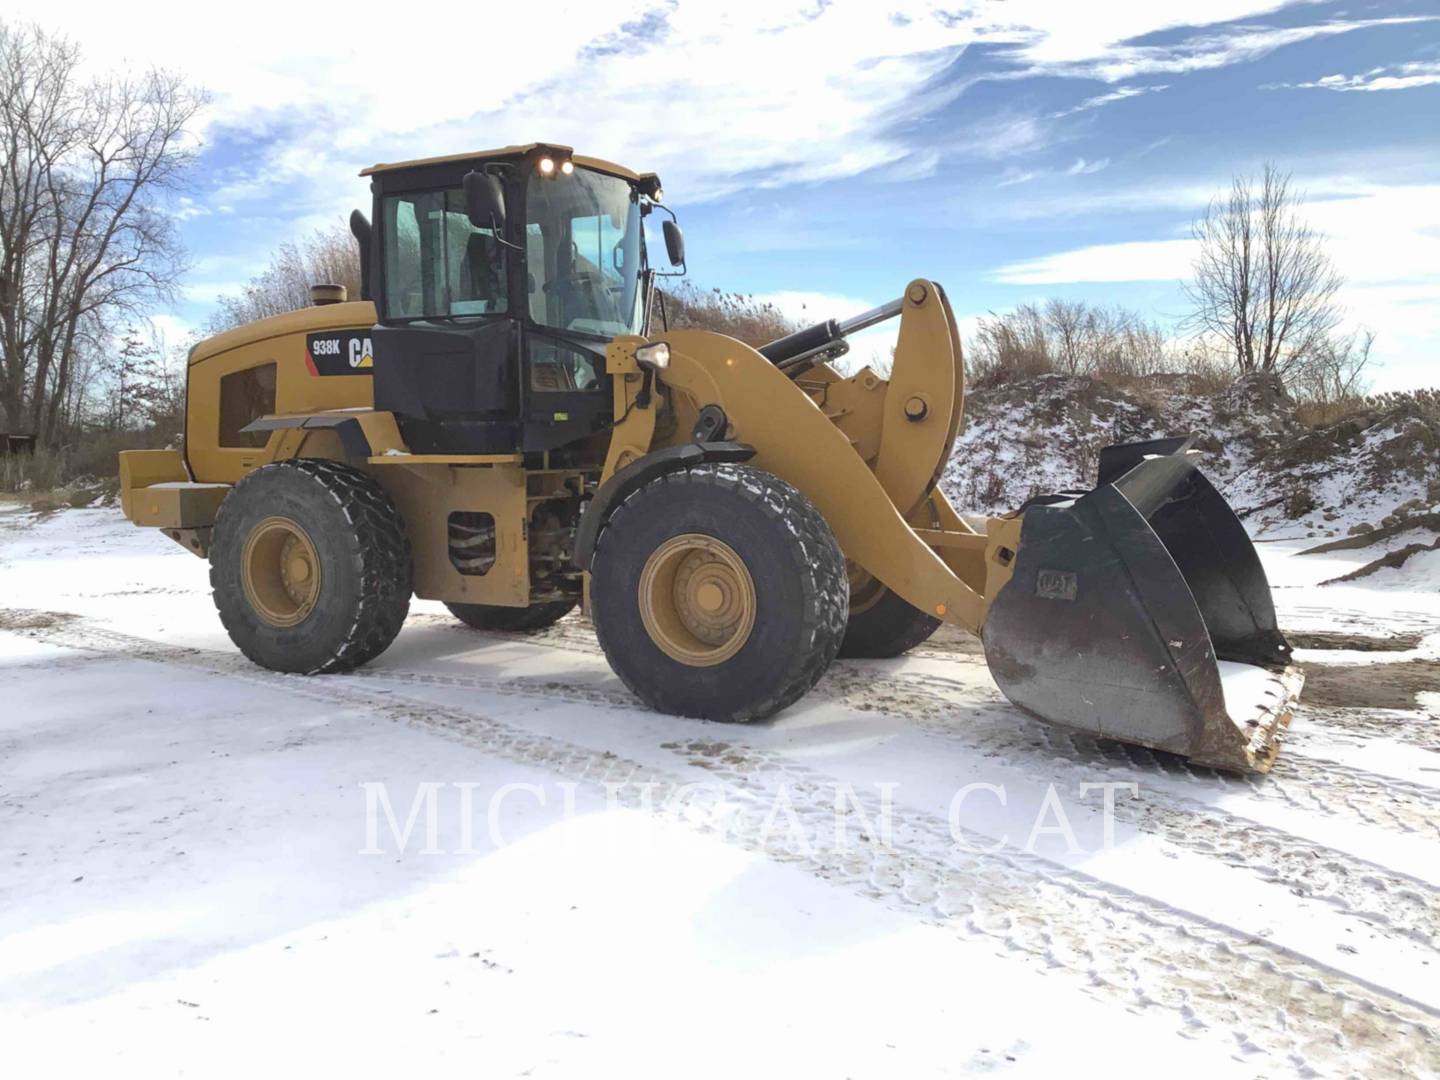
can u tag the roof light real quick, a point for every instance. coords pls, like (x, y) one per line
(658, 195)
(567, 167)
(656, 355)
(547, 166)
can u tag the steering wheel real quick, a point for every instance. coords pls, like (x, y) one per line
(580, 290)
(552, 375)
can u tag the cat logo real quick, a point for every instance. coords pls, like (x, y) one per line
(340, 352)
(360, 356)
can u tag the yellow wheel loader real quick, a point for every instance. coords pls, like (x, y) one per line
(498, 425)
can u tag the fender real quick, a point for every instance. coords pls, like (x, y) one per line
(365, 435)
(794, 439)
(352, 435)
(636, 475)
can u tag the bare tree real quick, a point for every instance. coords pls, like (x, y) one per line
(86, 167)
(329, 256)
(1337, 371)
(1070, 324)
(1262, 280)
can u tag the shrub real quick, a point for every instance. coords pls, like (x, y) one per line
(42, 470)
(1069, 338)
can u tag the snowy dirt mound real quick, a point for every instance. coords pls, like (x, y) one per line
(1044, 434)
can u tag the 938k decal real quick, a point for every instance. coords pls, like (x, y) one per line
(339, 352)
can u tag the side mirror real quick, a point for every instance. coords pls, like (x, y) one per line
(484, 201)
(674, 243)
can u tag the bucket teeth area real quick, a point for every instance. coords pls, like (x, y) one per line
(1258, 702)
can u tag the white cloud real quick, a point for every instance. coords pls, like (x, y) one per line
(1376, 234)
(713, 96)
(703, 93)
(872, 346)
(1086, 168)
(997, 137)
(1124, 93)
(1400, 77)
(1081, 167)
(1143, 260)
(1093, 46)
(207, 292)
(1013, 176)
(172, 331)
(186, 208)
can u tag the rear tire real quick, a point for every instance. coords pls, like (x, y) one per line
(512, 619)
(882, 625)
(310, 567)
(718, 592)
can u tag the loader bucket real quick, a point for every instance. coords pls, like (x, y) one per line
(1139, 611)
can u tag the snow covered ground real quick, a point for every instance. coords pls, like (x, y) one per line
(198, 874)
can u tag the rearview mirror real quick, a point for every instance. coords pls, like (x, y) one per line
(674, 243)
(484, 201)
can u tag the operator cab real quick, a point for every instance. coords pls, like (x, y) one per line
(498, 280)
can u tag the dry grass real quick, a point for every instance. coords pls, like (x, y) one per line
(89, 463)
(1319, 414)
(755, 322)
(43, 470)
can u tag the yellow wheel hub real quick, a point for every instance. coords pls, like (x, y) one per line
(280, 572)
(697, 600)
(865, 591)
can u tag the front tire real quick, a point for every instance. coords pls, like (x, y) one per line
(882, 625)
(718, 592)
(310, 567)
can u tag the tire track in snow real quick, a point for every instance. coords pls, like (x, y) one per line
(1274, 1008)
(1312, 783)
(1393, 902)
(1412, 727)
(1316, 785)
(1386, 622)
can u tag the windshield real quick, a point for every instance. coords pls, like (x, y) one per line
(582, 248)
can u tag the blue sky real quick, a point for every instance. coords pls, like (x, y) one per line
(823, 153)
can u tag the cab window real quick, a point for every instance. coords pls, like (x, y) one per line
(246, 396)
(436, 262)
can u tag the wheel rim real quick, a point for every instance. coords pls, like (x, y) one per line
(697, 600)
(280, 572)
(865, 590)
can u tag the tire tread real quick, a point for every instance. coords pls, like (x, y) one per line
(817, 563)
(382, 558)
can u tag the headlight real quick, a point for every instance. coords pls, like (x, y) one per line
(567, 167)
(547, 166)
(656, 355)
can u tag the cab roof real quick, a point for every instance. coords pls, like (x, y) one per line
(517, 151)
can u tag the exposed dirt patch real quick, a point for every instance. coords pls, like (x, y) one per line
(1324, 639)
(1394, 560)
(1375, 536)
(952, 639)
(1370, 686)
(32, 620)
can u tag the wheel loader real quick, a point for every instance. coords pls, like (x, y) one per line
(499, 423)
